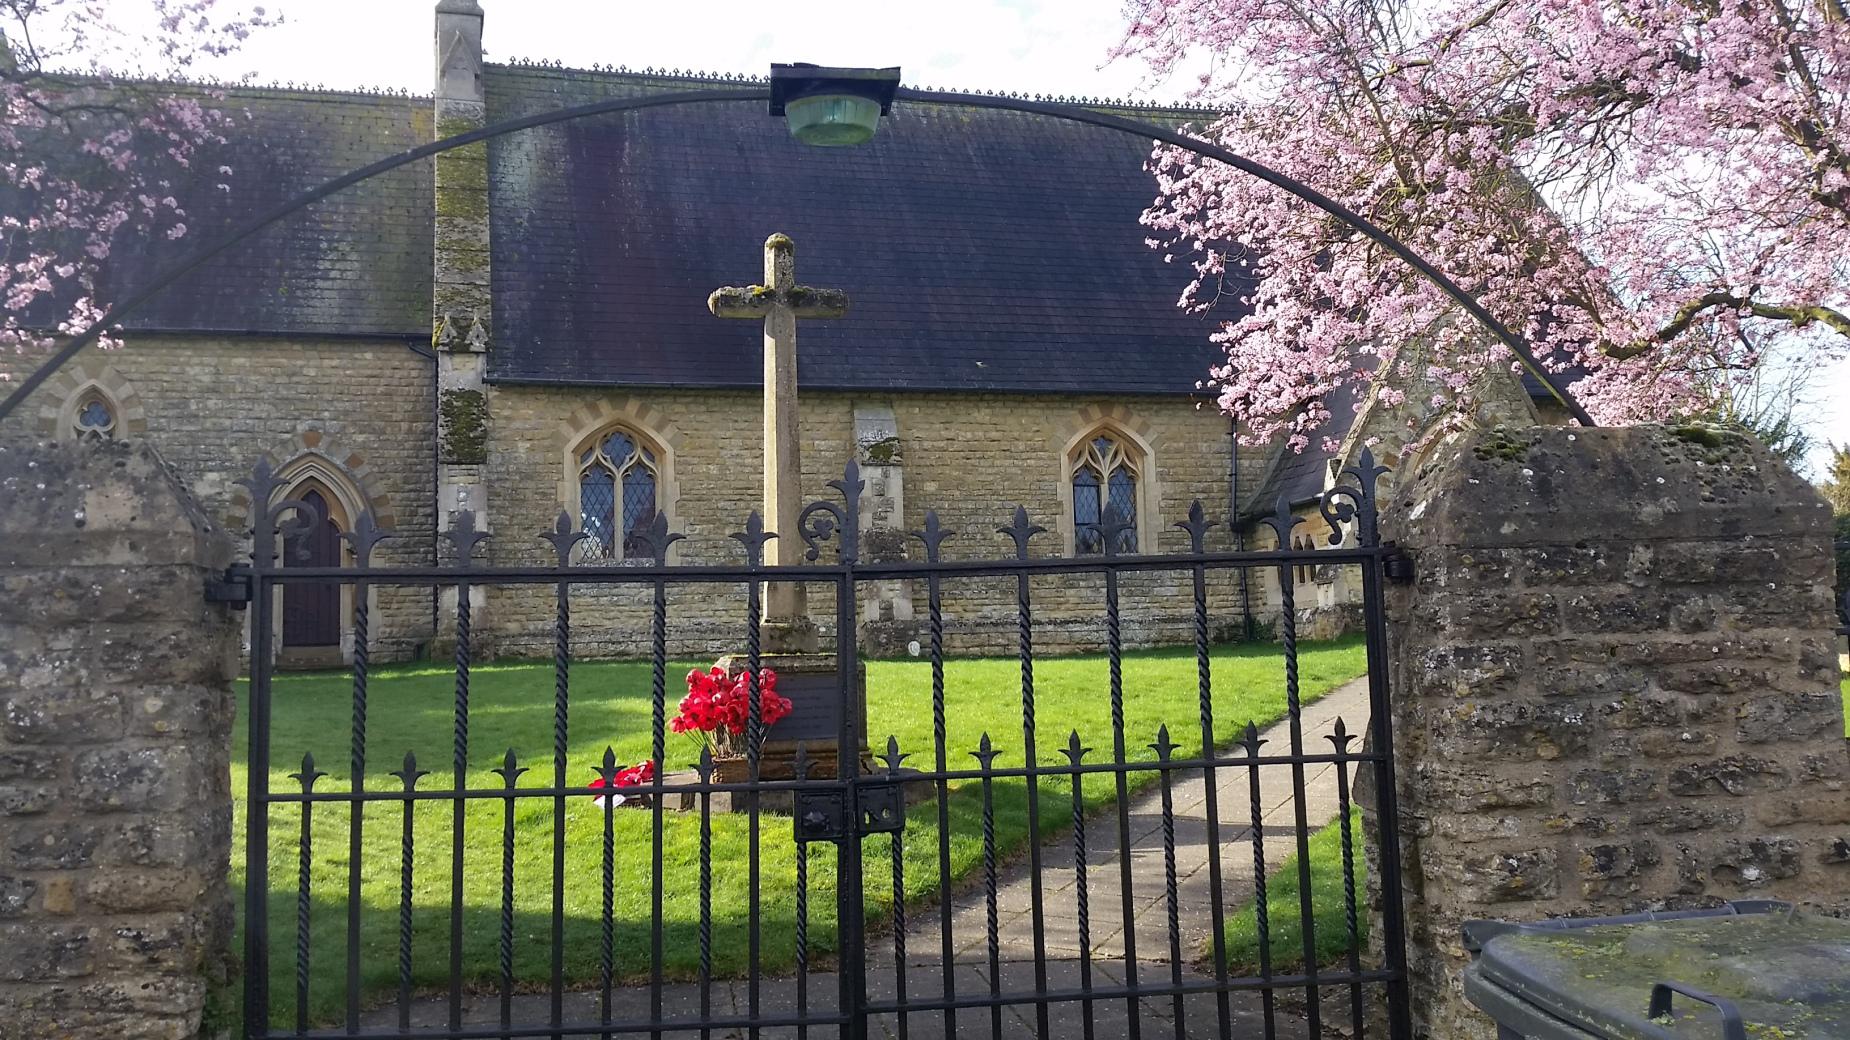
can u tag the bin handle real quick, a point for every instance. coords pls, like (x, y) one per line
(1732, 1026)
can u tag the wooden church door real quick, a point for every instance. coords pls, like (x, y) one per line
(311, 609)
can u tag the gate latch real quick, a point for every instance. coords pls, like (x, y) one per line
(823, 814)
(233, 589)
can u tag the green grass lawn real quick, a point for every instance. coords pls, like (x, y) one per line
(511, 707)
(1284, 913)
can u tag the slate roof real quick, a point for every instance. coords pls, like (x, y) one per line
(981, 250)
(358, 263)
(1298, 476)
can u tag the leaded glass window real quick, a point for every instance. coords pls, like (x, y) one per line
(1104, 484)
(96, 417)
(618, 481)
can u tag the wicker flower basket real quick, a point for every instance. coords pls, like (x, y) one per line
(729, 762)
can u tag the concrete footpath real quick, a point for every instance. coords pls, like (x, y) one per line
(1128, 937)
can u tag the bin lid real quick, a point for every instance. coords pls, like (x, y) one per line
(1787, 973)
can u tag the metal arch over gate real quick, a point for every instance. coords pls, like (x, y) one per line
(875, 974)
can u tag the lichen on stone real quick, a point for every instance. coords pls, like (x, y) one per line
(883, 452)
(463, 259)
(462, 182)
(463, 423)
(1702, 434)
(453, 124)
(1724, 454)
(1499, 444)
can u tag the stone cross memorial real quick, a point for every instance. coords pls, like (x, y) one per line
(779, 303)
(789, 637)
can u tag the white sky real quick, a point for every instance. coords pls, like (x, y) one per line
(1026, 46)
(1827, 415)
(1055, 46)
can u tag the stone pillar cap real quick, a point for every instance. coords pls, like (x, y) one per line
(459, 7)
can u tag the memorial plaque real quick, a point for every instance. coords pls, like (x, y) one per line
(813, 687)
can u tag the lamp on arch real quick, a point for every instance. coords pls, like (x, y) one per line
(832, 107)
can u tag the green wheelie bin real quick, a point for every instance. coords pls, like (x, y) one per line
(1750, 970)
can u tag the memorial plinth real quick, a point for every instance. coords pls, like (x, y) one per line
(812, 684)
(817, 703)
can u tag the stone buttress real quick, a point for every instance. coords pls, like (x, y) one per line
(461, 330)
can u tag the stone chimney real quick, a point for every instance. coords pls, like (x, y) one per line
(462, 312)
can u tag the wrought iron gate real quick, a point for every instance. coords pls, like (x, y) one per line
(820, 963)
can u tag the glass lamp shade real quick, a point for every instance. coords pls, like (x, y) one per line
(832, 120)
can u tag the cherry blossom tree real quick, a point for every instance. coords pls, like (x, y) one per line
(97, 133)
(1655, 193)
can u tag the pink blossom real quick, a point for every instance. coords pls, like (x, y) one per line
(89, 151)
(1651, 193)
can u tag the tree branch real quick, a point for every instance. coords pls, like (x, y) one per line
(1799, 315)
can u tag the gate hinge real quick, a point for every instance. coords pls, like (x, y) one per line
(1396, 565)
(233, 589)
(823, 815)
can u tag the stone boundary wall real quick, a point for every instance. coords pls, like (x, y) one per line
(116, 710)
(1615, 688)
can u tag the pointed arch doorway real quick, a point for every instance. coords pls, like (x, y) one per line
(314, 625)
(311, 610)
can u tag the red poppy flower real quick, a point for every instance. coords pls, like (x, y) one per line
(629, 776)
(716, 700)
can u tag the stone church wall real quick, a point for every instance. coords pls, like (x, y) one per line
(355, 412)
(972, 457)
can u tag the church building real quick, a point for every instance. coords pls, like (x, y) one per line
(520, 329)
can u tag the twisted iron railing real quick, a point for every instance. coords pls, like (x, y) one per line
(813, 812)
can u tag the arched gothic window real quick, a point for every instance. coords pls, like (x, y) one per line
(1104, 478)
(95, 416)
(618, 494)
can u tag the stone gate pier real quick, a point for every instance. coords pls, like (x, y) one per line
(1615, 687)
(116, 711)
